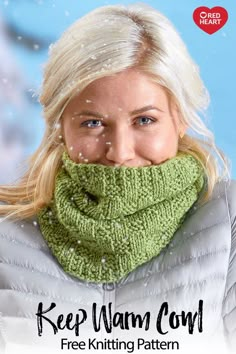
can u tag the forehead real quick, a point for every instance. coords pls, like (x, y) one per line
(120, 81)
(129, 89)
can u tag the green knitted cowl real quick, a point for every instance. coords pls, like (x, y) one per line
(105, 221)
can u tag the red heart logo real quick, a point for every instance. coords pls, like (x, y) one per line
(210, 20)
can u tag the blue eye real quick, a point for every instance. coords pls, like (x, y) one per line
(91, 123)
(146, 120)
(95, 123)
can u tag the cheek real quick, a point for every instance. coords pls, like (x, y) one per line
(162, 146)
(77, 145)
(85, 149)
(155, 146)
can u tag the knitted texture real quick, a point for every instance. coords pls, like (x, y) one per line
(105, 221)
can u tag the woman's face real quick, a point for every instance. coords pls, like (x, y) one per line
(122, 120)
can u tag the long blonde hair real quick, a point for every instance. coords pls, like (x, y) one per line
(106, 41)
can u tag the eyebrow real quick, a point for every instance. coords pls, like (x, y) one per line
(99, 115)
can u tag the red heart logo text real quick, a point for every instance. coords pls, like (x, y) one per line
(210, 20)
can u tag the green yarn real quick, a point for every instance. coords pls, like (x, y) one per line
(105, 221)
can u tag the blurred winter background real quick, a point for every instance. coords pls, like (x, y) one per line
(28, 27)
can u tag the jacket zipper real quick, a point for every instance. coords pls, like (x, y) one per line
(108, 296)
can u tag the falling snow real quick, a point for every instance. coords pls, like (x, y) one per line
(103, 260)
(36, 47)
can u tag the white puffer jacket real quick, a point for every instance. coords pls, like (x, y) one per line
(199, 264)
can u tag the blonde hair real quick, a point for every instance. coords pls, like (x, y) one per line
(106, 41)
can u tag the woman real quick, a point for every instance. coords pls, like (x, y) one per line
(125, 207)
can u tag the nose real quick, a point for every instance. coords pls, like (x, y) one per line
(120, 147)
